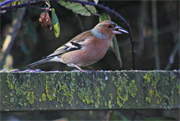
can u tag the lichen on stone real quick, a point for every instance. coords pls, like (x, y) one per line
(30, 97)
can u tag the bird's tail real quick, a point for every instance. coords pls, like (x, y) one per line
(45, 60)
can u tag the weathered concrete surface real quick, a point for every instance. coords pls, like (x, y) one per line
(79, 90)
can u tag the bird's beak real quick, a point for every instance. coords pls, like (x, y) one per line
(119, 30)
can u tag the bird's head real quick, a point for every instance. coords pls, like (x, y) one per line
(107, 29)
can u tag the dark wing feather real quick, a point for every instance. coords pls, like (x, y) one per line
(74, 44)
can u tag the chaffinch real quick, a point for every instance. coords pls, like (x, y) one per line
(86, 48)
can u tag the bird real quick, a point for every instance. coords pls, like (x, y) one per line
(86, 48)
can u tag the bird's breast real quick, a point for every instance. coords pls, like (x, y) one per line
(90, 53)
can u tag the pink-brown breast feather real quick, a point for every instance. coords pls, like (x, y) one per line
(93, 50)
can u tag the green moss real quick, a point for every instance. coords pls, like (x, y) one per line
(25, 104)
(50, 88)
(30, 97)
(149, 95)
(178, 87)
(89, 89)
(148, 99)
(132, 88)
(146, 84)
(155, 81)
(88, 97)
(147, 77)
(173, 76)
(76, 102)
(20, 103)
(10, 85)
(65, 92)
(18, 90)
(85, 95)
(102, 83)
(12, 100)
(157, 102)
(98, 97)
(43, 97)
(122, 89)
(11, 94)
(111, 96)
(84, 89)
(154, 92)
(105, 103)
(109, 104)
(147, 80)
(122, 96)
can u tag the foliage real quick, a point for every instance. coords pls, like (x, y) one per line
(55, 23)
(85, 10)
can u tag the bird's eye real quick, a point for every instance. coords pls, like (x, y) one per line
(109, 26)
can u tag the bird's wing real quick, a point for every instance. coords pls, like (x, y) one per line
(74, 44)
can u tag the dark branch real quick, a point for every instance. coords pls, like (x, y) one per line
(172, 56)
(27, 4)
(6, 2)
(88, 10)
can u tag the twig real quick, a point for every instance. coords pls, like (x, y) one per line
(155, 34)
(108, 115)
(172, 55)
(88, 10)
(134, 116)
(12, 37)
(26, 4)
(175, 50)
(6, 2)
(47, 8)
(138, 113)
(142, 25)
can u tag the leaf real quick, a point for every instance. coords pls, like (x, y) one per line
(103, 17)
(79, 8)
(31, 30)
(48, 3)
(16, 2)
(96, 1)
(55, 23)
(115, 47)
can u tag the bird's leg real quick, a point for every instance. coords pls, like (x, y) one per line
(78, 67)
(93, 70)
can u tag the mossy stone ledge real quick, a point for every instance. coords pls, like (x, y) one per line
(22, 91)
